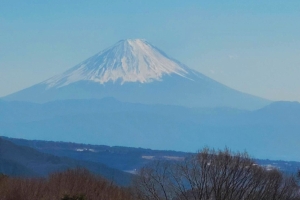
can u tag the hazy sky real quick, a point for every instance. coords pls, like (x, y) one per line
(252, 46)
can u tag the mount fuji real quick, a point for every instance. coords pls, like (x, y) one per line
(135, 71)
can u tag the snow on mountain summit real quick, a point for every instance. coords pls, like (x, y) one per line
(132, 60)
(136, 71)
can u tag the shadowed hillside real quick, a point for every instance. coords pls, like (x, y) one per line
(25, 161)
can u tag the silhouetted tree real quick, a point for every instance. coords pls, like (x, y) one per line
(214, 175)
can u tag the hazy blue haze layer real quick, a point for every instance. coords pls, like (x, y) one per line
(271, 132)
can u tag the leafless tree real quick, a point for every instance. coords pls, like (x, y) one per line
(214, 175)
(70, 184)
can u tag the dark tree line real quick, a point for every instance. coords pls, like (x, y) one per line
(76, 184)
(214, 175)
(207, 175)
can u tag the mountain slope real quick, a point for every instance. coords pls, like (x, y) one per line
(127, 61)
(18, 160)
(265, 133)
(127, 158)
(136, 71)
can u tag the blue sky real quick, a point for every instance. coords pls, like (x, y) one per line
(252, 46)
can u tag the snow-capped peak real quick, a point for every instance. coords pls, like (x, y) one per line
(132, 60)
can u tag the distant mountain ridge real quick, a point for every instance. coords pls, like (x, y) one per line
(128, 158)
(138, 72)
(22, 161)
(264, 133)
